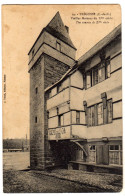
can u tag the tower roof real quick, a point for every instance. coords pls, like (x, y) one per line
(57, 28)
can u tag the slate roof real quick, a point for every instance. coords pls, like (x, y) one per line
(101, 44)
(57, 28)
(96, 48)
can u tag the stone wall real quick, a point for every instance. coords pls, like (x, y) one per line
(37, 111)
(44, 73)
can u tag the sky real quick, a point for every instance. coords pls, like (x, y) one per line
(21, 25)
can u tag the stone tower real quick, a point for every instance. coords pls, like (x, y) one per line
(52, 54)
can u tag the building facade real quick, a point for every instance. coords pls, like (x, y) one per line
(75, 106)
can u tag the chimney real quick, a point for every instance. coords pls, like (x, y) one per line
(67, 28)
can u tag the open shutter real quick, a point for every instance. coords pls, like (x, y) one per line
(92, 116)
(88, 80)
(109, 108)
(108, 68)
(96, 115)
(89, 116)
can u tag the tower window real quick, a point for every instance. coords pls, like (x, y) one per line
(60, 120)
(32, 53)
(36, 119)
(58, 46)
(36, 90)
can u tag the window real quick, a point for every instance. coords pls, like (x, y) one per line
(36, 119)
(36, 90)
(59, 88)
(98, 73)
(98, 115)
(79, 154)
(77, 117)
(58, 46)
(47, 114)
(50, 94)
(92, 153)
(32, 53)
(115, 154)
(60, 120)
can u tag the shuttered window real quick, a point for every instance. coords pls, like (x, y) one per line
(98, 73)
(98, 114)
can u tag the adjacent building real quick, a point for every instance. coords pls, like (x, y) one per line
(75, 106)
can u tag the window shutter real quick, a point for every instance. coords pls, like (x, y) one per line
(109, 108)
(96, 116)
(100, 114)
(92, 116)
(108, 68)
(95, 76)
(89, 116)
(84, 81)
(88, 79)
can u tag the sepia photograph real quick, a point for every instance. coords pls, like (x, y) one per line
(62, 98)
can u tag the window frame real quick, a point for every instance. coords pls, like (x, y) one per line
(78, 117)
(59, 120)
(59, 88)
(36, 90)
(94, 120)
(58, 44)
(33, 52)
(120, 156)
(100, 66)
(92, 150)
(36, 119)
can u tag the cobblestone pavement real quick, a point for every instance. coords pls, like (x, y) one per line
(59, 181)
(33, 182)
(105, 181)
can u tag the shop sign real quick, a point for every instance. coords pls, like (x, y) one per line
(58, 133)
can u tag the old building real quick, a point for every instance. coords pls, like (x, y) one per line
(75, 107)
(52, 54)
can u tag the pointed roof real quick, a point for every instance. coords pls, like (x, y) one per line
(57, 28)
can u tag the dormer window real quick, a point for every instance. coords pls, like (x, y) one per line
(58, 46)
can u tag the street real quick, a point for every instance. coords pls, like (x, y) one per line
(17, 179)
(31, 182)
